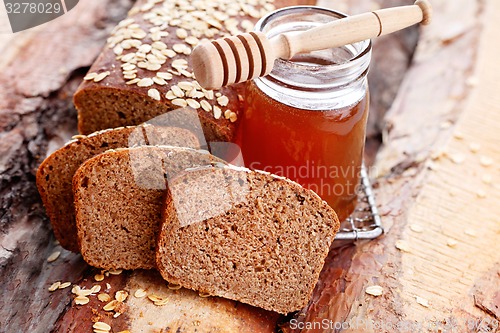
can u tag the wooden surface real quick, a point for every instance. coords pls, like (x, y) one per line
(433, 191)
(438, 263)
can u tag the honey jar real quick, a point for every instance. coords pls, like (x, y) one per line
(307, 120)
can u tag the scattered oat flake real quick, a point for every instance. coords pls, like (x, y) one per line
(217, 112)
(470, 232)
(181, 33)
(164, 75)
(170, 95)
(481, 194)
(84, 292)
(99, 277)
(140, 293)
(193, 103)
(416, 228)
(486, 161)
(121, 295)
(179, 102)
(90, 76)
(104, 297)
(458, 135)
(134, 81)
(402, 246)
(487, 179)
(111, 305)
(146, 82)
(374, 290)
(55, 286)
(115, 271)
(100, 77)
(65, 285)
(452, 242)
(457, 158)
(95, 289)
(474, 147)
(203, 295)
(81, 300)
(155, 298)
(206, 105)
(159, 81)
(154, 94)
(422, 301)
(102, 326)
(223, 100)
(173, 286)
(108, 286)
(162, 302)
(54, 256)
(233, 117)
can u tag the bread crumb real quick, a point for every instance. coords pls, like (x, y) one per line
(374, 290)
(451, 242)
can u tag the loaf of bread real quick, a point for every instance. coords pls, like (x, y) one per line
(55, 175)
(247, 236)
(118, 199)
(144, 71)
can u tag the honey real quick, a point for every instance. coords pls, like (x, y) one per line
(307, 120)
(322, 151)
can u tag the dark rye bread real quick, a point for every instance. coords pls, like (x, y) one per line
(247, 236)
(118, 199)
(55, 175)
(143, 47)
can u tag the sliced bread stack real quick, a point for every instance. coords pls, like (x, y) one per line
(118, 201)
(55, 175)
(247, 236)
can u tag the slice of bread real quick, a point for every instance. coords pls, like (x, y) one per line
(55, 175)
(118, 200)
(247, 236)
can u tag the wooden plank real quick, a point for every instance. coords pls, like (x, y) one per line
(438, 261)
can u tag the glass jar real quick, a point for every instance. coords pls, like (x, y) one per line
(307, 120)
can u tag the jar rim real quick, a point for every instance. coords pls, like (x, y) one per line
(365, 45)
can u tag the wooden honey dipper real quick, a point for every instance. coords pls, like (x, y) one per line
(244, 57)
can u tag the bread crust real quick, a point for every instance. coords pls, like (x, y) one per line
(111, 102)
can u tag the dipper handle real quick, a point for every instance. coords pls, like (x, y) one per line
(244, 57)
